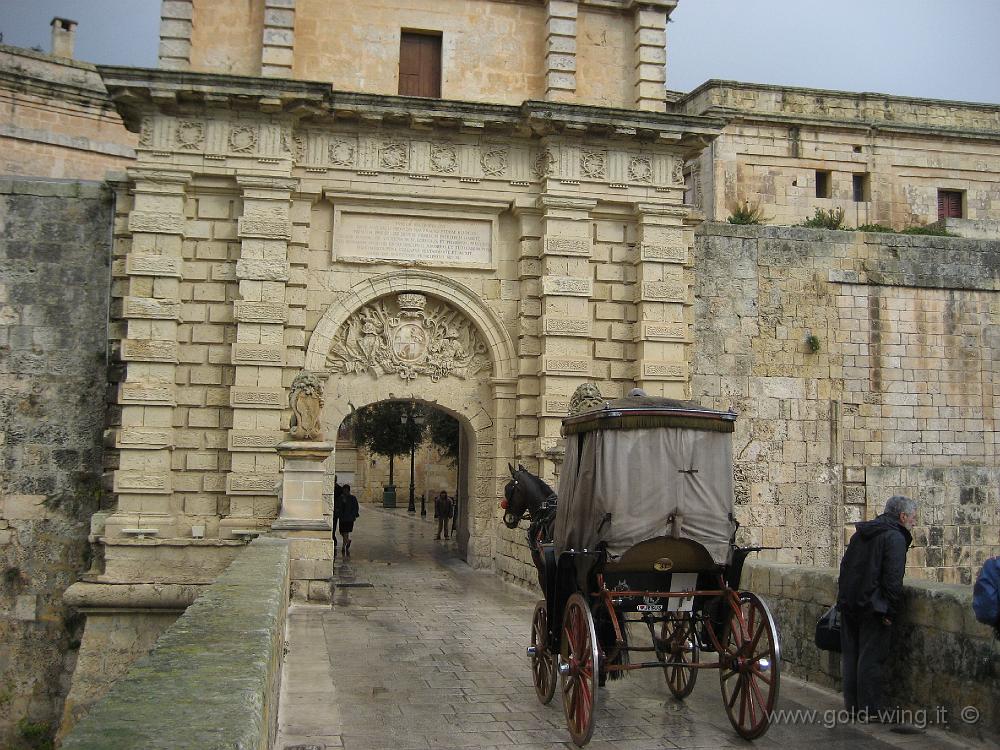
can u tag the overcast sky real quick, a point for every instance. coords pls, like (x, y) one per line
(943, 50)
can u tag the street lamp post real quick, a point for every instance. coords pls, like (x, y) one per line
(408, 420)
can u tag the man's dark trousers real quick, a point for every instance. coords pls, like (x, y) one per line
(864, 642)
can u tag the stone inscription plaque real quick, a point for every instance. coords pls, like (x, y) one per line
(414, 239)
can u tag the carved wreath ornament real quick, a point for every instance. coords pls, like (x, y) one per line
(409, 338)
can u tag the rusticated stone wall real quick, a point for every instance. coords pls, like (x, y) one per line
(944, 667)
(54, 256)
(862, 365)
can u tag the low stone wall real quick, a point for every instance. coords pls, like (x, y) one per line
(212, 679)
(941, 656)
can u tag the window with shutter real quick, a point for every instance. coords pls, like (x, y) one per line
(420, 64)
(949, 204)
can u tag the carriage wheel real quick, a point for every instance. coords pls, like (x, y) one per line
(543, 660)
(750, 667)
(578, 667)
(680, 644)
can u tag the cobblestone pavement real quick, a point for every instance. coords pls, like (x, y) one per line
(421, 652)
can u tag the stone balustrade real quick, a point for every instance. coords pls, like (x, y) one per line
(212, 679)
(941, 656)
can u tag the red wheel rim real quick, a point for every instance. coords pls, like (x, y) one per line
(749, 675)
(579, 683)
(680, 644)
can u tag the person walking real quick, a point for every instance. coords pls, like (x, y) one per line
(869, 595)
(442, 511)
(345, 512)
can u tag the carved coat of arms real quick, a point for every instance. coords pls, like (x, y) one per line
(409, 338)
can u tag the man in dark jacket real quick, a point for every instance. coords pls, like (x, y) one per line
(869, 594)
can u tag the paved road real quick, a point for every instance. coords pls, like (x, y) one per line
(420, 652)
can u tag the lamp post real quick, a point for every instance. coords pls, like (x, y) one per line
(411, 419)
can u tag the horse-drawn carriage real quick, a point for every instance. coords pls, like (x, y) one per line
(642, 537)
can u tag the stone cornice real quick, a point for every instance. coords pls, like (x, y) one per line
(869, 108)
(138, 92)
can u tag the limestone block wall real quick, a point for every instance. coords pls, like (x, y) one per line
(942, 660)
(580, 51)
(903, 150)
(54, 258)
(56, 119)
(862, 366)
(218, 667)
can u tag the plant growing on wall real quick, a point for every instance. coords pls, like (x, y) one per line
(386, 430)
(746, 213)
(823, 219)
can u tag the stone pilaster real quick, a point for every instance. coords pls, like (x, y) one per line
(560, 50)
(663, 300)
(567, 287)
(278, 45)
(148, 313)
(258, 395)
(650, 58)
(175, 34)
(528, 333)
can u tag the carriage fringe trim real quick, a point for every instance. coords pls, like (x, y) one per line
(647, 421)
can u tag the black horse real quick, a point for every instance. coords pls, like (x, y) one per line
(526, 495)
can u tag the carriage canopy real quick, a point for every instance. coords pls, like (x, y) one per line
(641, 467)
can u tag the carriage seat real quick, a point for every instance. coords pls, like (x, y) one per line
(663, 554)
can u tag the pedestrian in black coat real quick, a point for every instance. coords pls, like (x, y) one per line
(870, 591)
(345, 512)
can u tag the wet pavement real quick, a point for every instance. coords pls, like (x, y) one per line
(419, 651)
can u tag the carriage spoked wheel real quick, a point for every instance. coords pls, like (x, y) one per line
(678, 642)
(750, 667)
(543, 659)
(578, 668)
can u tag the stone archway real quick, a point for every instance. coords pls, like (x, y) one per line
(464, 364)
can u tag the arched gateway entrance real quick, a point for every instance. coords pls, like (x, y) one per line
(417, 335)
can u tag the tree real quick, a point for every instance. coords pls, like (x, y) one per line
(380, 428)
(444, 433)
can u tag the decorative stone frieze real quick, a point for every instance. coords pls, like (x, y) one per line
(260, 312)
(251, 484)
(147, 350)
(259, 398)
(154, 309)
(567, 286)
(677, 371)
(146, 394)
(663, 291)
(138, 482)
(143, 438)
(568, 326)
(262, 270)
(662, 332)
(254, 440)
(258, 354)
(572, 246)
(141, 264)
(560, 366)
(155, 221)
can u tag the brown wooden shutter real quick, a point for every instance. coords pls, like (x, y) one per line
(949, 204)
(419, 65)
